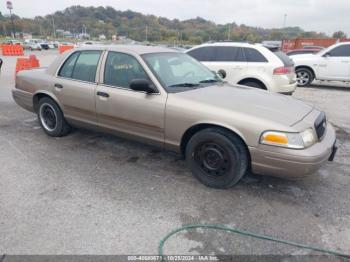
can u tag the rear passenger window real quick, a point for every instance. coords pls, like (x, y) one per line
(203, 54)
(228, 54)
(121, 69)
(253, 55)
(86, 66)
(81, 66)
(340, 51)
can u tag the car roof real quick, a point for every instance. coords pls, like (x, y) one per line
(342, 43)
(305, 49)
(228, 44)
(138, 49)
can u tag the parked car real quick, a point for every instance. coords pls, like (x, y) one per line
(13, 42)
(67, 43)
(32, 44)
(56, 44)
(313, 47)
(332, 64)
(86, 43)
(248, 64)
(167, 98)
(51, 45)
(303, 51)
(44, 45)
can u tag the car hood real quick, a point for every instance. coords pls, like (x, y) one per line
(277, 108)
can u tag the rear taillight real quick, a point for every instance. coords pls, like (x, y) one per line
(282, 70)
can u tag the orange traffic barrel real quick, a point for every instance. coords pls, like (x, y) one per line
(34, 61)
(64, 48)
(25, 63)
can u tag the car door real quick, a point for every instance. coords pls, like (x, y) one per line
(229, 61)
(335, 64)
(75, 86)
(226, 60)
(256, 62)
(126, 111)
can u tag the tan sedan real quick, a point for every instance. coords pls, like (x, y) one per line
(162, 97)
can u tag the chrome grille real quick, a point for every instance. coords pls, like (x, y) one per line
(320, 125)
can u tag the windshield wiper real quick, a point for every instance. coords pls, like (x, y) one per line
(209, 81)
(185, 85)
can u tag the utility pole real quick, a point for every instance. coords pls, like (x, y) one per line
(285, 20)
(229, 33)
(53, 27)
(10, 7)
(146, 33)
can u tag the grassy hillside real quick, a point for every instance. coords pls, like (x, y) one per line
(108, 21)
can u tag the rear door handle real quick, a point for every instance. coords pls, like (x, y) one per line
(59, 86)
(103, 94)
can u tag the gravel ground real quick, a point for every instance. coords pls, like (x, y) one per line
(91, 193)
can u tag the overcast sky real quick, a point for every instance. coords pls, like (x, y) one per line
(319, 15)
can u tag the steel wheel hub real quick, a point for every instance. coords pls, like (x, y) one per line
(212, 159)
(48, 117)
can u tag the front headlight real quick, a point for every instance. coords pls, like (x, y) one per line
(289, 140)
(308, 137)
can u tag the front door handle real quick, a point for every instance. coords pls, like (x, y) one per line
(103, 94)
(58, 86)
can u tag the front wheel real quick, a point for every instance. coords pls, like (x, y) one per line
(51, 118)
(217, 157)
(304, 76)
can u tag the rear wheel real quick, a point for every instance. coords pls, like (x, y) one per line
(304, 76)
(217, 157)
(51, 118)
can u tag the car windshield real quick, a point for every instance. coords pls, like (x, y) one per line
(179, 72)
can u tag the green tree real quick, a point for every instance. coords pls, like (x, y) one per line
(108, 21)
(339, 34)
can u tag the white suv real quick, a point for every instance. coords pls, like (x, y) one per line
(332, 64)
(32, 44)
(248, 64)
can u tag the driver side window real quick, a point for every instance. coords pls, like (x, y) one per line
(121, 69)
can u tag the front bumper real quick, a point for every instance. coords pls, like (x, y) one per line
(293, 163)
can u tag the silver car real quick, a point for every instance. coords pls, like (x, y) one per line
(166, 98)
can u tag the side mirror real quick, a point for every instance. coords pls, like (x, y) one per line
(222, 73)
(142, 85)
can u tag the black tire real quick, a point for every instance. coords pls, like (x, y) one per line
(254, 84)
(217, 157)
(304, 76)
(51, 118)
